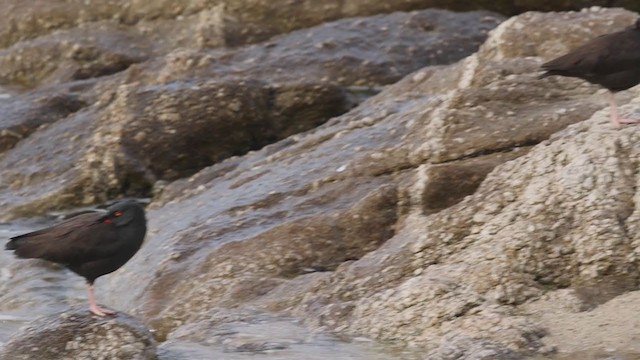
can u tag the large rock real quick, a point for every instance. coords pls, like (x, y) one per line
(561, 216)
(366, 51)
(88, 51)
(141, 137)
(161, 121)
(342, 226)
(155, 130)
(234, 22)
(22, 115)
(76, 334)
(349, 197)
(229, 333)
(362, 51)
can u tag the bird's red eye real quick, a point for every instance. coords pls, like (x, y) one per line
(117, 213)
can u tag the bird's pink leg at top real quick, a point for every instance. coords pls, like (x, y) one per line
(615, 116)
(94, 308)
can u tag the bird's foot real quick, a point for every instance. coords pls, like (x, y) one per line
(102, 312)
(617, 123)
(629, 121)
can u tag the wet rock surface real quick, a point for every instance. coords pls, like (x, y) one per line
(443, 216)
(89, 51)
(170, 116)
(366, 51)
(76, 334)
(24, 115)
(439, 280)
(233, 22)
(238, 334)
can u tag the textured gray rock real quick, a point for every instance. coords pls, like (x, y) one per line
(233, 333)
(235, 22)
(122, 147)
(161, 121)
(76, 334)
(471, 349)
(361, 51)
(367, 51)
(22, 115)
(440, 215)
(88, 51)
(560, 216)
(440, 192)
(549, 219)
(154, 120)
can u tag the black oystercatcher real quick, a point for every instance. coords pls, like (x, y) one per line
(91, 244)
(611, 61)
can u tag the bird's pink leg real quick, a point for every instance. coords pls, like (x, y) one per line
(615, 116)
(94, 308)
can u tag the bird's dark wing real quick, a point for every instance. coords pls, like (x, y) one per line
(604, 55)
(79, 239)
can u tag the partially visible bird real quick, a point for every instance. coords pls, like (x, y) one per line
(611, 61)
(90, 244)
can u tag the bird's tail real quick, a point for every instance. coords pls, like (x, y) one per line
(544, 75)
(11, 245)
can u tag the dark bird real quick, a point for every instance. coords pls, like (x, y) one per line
(90, 244)
(611, 61)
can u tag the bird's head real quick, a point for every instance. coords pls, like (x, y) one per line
(124, 212)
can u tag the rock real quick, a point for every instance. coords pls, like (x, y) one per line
(366, 51)
(229, 333)
(88, 51)
(234, 23)
(262, 230)
(116, 143)
(471, 349)
(76, 334)
(576, 333)
(330, 228)
(22, 115)
(395, 44)
(156, 116)
(126, 150)
(440, 192)
(586, 24)
(347, 226)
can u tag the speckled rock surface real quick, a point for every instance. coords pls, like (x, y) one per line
(344, 227)
(450, 280)
(261, 223)
(88, 51)
(366, 51)
(400, 41)
(468, 348)
(126, 126)
(23, 115)
(153, 120)
(76, 334)
(236, 22)
(233, 334)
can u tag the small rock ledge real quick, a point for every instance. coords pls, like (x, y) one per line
(77, 334)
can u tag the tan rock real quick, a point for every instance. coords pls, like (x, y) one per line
(160, 120)
(333, 226)
(76, 334)
(550, 219)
